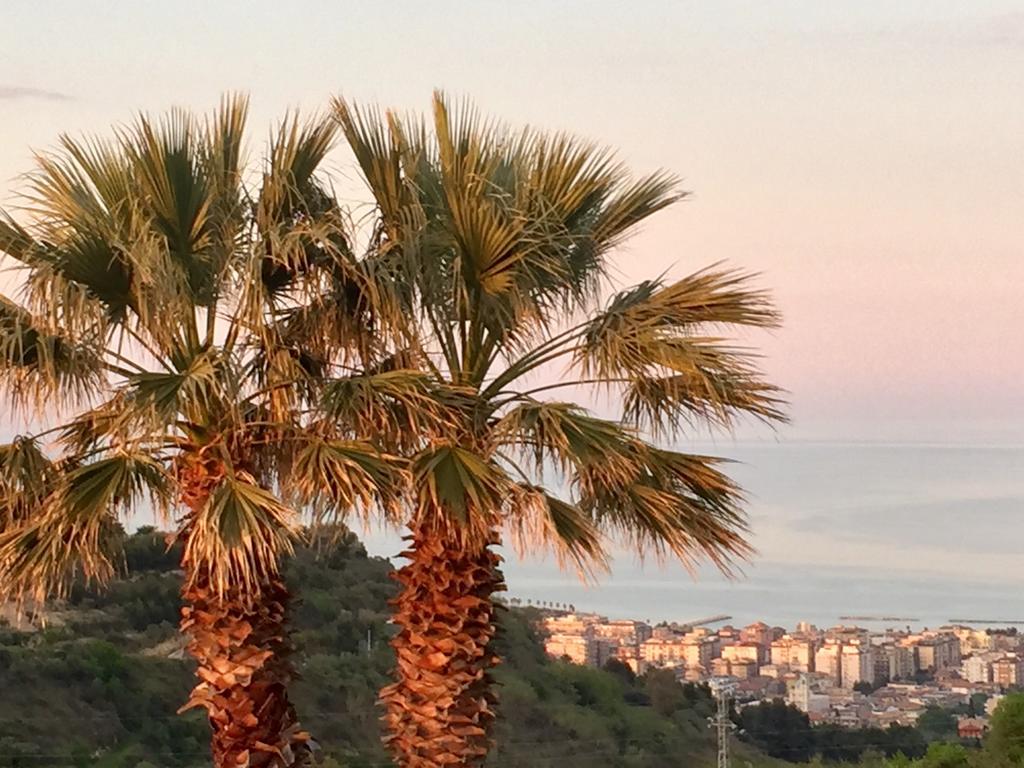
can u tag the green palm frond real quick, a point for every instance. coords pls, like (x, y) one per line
(169, 157)
(74, 528)
(566, 436)
(15, 241)
(616, 340)
(466, 489)
(223, 159)
(657, 344)
(398, 406)
(27, 477)
(708, 383)
(200, 385)
(537, 518)
(674, 503)
(338, 477)
(377, 140)
(38, 366)
(84, 219)
(237, 539)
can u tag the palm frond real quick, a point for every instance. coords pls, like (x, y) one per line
(674, 503)
(536, 519)
(658, 343)
(27, 477)
(457, 489)
(85, 219)
(338, 477)
(235, 542)
(376, 141)
(708, 383)
(564, 435)
(400, 407)
(200, 384)
(37, 365)
(74, 528)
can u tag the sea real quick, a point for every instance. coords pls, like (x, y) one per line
(877, 534)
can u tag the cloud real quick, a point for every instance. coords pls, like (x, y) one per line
(13, 92)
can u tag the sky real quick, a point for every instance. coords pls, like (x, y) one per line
(864, 158)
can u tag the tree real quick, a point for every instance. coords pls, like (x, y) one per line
(941, 755)
(158, 289)
(501, 242)
(1005, 739)
(779, 729)
(663, 691)
(937, 724)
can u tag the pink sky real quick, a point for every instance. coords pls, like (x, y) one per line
(867, 160)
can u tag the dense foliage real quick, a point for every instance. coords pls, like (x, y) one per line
(99, 686)
(783, 731)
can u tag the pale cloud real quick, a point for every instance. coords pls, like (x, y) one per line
(13, 92)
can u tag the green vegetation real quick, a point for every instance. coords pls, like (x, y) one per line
(782, 731)
(100, 685)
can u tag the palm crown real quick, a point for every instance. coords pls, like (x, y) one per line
(500, 242)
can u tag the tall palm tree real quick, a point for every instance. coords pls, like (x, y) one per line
(157, 284)
(501, 243)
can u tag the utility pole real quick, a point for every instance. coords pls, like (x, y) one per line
(723, 689)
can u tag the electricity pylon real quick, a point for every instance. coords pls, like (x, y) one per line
(723, 689)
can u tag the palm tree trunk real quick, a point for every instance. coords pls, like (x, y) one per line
(440, 711)
(243, 668)
(240, 646)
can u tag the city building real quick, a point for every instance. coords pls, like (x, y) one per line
(978, 668)
(935, 651)
(760, 635)
(570, 623)
(1008, 672)
(828, 661)
(743, 652)
(893, 662)
(796, 653)
(971, 727)
(743, 669)
(971, 640)
(699, 650)
(663, 652)
(856, 665)
(579, 649)
(623, 631)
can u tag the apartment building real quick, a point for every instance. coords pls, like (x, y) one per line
(856, 665)
(796, 653)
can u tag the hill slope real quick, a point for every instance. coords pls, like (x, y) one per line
(100, 685)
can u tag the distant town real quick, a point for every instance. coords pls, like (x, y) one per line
(845, 675)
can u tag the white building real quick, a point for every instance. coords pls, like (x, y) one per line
(857, 665)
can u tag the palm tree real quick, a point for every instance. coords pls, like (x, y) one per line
(501, 242)
(158, 286)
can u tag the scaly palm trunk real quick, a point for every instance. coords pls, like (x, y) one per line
(441, 710)
(241, 650)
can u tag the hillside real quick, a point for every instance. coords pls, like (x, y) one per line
(99, 685)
